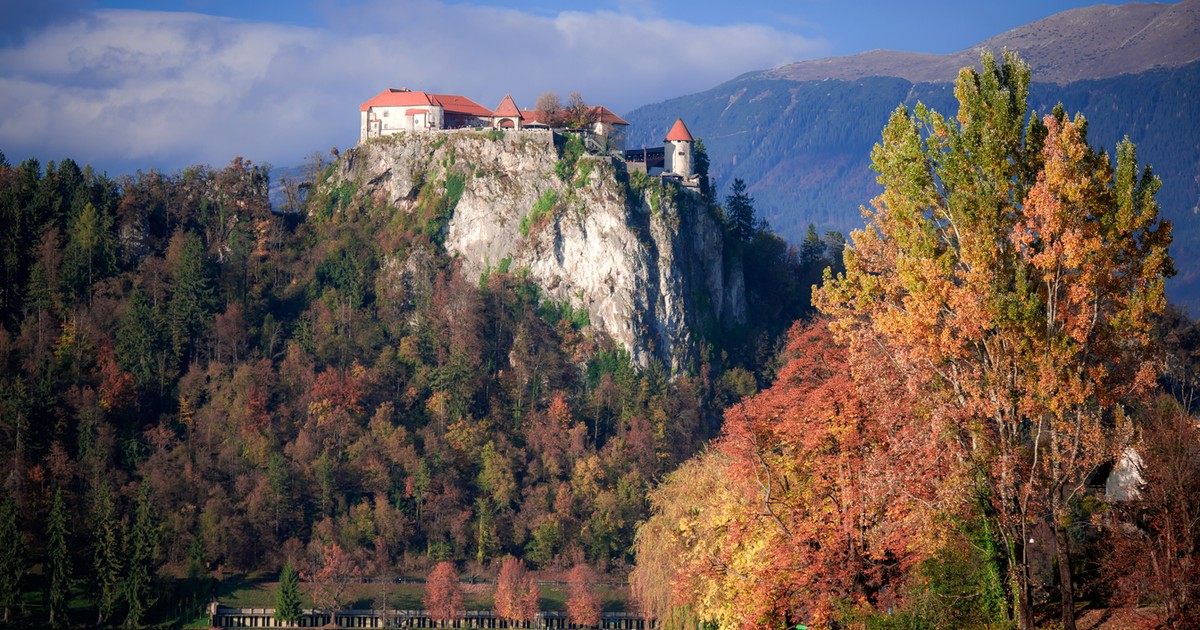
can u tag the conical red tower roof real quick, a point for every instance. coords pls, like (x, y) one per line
(508, 107)
(680, 132)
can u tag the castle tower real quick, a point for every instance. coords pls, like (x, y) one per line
(678, 151)
(507, 115)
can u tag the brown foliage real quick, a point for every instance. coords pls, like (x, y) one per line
(1152, 548)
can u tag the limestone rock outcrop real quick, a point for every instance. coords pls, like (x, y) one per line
(647, 261)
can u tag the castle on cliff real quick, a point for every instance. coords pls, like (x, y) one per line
(401, 110)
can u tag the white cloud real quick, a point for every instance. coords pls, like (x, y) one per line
(127, 89)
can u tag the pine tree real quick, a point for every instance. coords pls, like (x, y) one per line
(143, 554)
(12, 558)
(739, 208)
(287, 597)
(192, 292)
(58, 560)
(106, 552)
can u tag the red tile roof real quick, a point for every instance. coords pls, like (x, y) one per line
(455, 104)
(680, 132)
(533, 116)
(605, 115)
(452, 103)
(508, 107)
(392, 97)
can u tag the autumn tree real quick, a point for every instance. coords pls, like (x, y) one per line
(334, 572)
(583, 602)
(1150, 555)
(1012, 279)
(808, 505)
(684, 572)
(577, 114)
(516, 591)
(443, 596)
(550, 108)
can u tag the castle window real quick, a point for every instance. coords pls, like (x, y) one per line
(385, 113)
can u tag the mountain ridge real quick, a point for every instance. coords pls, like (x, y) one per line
(1152, 35)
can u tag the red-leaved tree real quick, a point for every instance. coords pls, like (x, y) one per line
(333, 572)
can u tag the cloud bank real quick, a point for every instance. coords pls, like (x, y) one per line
(136, 89)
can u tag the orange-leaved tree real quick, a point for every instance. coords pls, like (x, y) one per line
(1011, 279)
(443, 596)
(516, 591)
(833, 467)
(583, 602)
(813, 499)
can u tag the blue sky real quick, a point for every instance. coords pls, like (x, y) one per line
(125, 84)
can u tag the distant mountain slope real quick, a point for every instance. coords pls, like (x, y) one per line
(803, 146)
(1094, 42)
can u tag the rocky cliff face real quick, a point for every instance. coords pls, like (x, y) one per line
(646, 261)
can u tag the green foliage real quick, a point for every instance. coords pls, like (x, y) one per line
(616, 362)
(58, 561)
(192, 294)
(571, 151)
(739, 212)
(144, 539)
(287, 596)
(583, 172)
(959, 587)
(12, 558)
(554, 312)
(495, 135)
(639, 181)
(106, 551)
(436, 203)
(542, 208)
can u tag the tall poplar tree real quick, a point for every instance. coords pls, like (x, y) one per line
(1013, 281)
(58, 560)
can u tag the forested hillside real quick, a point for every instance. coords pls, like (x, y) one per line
(210, 389)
